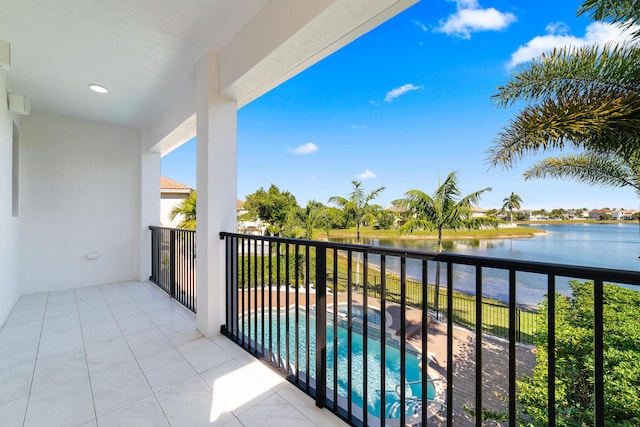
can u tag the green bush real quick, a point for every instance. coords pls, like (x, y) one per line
(575, 360)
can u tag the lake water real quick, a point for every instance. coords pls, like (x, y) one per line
(614, 246)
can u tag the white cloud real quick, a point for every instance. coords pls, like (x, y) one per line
(399, 91)
(471, 18)
(358, 126)
(420, 25)
(367, 174)
(557, 28)
(307, 148)
(597, 33)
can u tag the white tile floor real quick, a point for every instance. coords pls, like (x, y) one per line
(125, 354)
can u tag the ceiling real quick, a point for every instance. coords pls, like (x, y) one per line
(136, 48)
(145, 51)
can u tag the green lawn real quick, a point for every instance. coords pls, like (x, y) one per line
(488, 233)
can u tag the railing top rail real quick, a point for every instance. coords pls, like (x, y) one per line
(571, 271)
(157, 227)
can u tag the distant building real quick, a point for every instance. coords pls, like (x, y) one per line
(256, 227)
(478, 212)
(399, 212)
(172, 193)
(599, 213)
(619, 214)
(623, 214)
(530, 215)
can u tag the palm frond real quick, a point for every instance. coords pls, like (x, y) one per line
(608, 124)
(589, 168)
(416, 224)
(623, 11)
(610, 70)
(474, 223)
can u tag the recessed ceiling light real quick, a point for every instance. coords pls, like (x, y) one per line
(98, 88)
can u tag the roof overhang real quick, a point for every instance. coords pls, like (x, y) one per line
(145, 53)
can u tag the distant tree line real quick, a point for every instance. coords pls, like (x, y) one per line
(416, 211)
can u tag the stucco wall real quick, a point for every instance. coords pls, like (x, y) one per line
(81, 195)
(9, 225)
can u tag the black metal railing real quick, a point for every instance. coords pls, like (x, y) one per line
(173, 263)
(496, 313)
(376, 354)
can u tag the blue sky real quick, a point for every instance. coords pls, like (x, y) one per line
(406, 104)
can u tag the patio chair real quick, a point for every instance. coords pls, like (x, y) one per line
(414, 404)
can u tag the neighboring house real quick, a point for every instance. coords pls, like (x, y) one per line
(530, 215)
(399, 213)
(599, 213)
(574, 214)
(477, 212)
(172, 193)
(620, 214)
(256, 227)
(623, 214)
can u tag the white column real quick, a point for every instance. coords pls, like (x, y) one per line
(149, 206)
(216, 183)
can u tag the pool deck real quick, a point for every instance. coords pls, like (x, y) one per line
(495, 364)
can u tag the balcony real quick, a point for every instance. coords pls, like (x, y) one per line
(349, 324)
(127, 354)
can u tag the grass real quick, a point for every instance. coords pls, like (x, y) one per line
(487, 233)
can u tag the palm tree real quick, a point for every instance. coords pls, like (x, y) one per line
(187, 209)
(357, 205)
(314, 216)
(442, 210)
(512, 202)
(585, 98)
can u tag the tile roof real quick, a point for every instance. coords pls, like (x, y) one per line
(170, 184)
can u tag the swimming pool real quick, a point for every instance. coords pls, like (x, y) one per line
(373, 359)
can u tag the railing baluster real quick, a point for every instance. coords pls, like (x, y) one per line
(512, 347)
(551, 349)
(321, 326)
(449, 344)
(270, 303)
(383, 336)
(598, 351)
(365, 336)
(425, 351)
(244, 285)
(478, 346)
(403, 340)
(349, 335)
(288, 309)
(335, 329)
(255, 297)
(278, 302)
(262, 318)
(297, 314)
(307, 308)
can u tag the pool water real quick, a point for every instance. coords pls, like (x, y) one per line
(391, 365)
